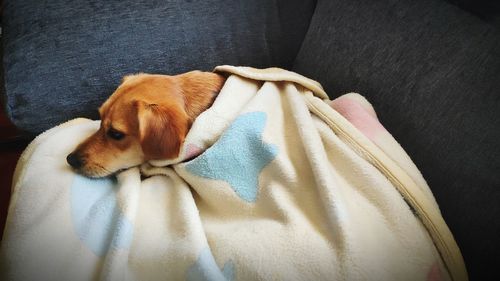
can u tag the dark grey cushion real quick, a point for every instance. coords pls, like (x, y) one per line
(432, 72)
(62, 58)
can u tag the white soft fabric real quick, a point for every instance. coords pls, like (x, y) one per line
(263, 189)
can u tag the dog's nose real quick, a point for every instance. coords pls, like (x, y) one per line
(74, 160)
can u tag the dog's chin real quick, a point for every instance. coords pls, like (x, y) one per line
(95, 172)
(100, 172)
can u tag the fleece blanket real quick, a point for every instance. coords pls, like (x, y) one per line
(273, 182)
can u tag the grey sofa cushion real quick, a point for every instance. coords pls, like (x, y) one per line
(432, 72)
(62, 58)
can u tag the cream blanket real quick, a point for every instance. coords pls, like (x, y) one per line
(271, 184)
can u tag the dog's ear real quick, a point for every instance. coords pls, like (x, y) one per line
(199, 90)
(162, 129)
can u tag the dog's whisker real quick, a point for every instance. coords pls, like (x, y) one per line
(103, 170)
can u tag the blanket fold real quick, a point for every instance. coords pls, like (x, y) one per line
(273, 182)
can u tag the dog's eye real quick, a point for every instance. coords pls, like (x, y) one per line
(114, 134)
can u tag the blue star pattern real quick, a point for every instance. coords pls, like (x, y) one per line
(96, 216)
(238, 156)
(205, 269)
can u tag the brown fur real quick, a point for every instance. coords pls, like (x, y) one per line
(154, 112)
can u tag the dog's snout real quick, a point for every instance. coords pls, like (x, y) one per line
(74, 160)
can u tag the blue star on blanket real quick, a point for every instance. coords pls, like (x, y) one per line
(205, 269)
(96, 215)
(238, 156)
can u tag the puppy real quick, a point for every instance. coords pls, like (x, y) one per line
(146, 118)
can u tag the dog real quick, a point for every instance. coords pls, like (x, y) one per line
(146, 118)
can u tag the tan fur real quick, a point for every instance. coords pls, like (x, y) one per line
(154, 112)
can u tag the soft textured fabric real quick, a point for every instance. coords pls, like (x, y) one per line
(63, 58)
(432, 71)
(264, 188)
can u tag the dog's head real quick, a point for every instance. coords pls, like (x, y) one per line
(146, 118)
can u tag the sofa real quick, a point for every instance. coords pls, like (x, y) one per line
(431, 68)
